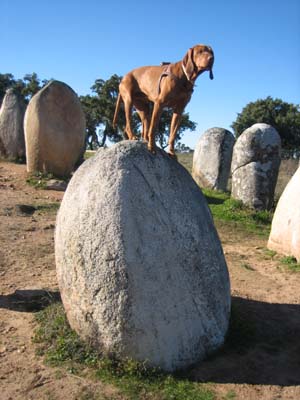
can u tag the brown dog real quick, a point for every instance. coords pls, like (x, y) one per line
(168, 85)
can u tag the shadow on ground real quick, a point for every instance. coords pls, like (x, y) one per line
(29, 300)
(213, 200)
(262, 347)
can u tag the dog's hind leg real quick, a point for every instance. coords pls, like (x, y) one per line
(143, 110)
(128, 111)
(175, 123)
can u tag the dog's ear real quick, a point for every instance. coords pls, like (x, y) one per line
(188, 64)
(211, 75)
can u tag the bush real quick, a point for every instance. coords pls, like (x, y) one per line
(284, 117)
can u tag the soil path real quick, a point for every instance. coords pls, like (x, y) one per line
(262, 361)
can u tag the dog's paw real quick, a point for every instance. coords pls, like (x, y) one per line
(152, 150)
(133, 137)
(172, 155)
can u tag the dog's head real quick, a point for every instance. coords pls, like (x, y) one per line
(198, 59)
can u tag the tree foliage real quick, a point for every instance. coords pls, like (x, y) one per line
(6, 81)
(182, 148)
(32, 84)
(285, 117)
(26, 87)
(99, 111)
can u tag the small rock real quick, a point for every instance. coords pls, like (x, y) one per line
(30, 229)
(58, 185)
(7, 211)
(51, 226)
(21, 349)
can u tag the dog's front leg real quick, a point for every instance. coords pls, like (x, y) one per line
(156, 113)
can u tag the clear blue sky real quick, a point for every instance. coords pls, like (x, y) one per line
(256, 45)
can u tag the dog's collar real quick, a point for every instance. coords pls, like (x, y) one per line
(186, 75)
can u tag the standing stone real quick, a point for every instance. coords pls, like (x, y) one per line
(54, 130)
(139, 263)
(255, 166)
(285, 232)
(12, 143)
(212, 159)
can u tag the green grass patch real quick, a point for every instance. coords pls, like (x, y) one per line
(62, 347)
(58, 343)
(39, 180)
(290, 263)
(88, 154)
(224, 208)
(229, 210)
(230, 395)
(247, 267)
(269, 253)
(14, 160)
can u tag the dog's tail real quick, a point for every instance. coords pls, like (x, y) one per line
(117, 110)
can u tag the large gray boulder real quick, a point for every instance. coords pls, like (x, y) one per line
(285, 232)
(139, 263)
(12, 143)
(54, 130)
(255, 165)
(212, 159)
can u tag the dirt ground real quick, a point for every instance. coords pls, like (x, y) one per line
(266, 366)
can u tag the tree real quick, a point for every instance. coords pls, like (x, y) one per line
(6, 81)
(32, 84)
(285, 117)
(99, 111)
(26, 87)
(182, 148)
(89, 106)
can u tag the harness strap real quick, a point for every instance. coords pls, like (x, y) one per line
(167, 72)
